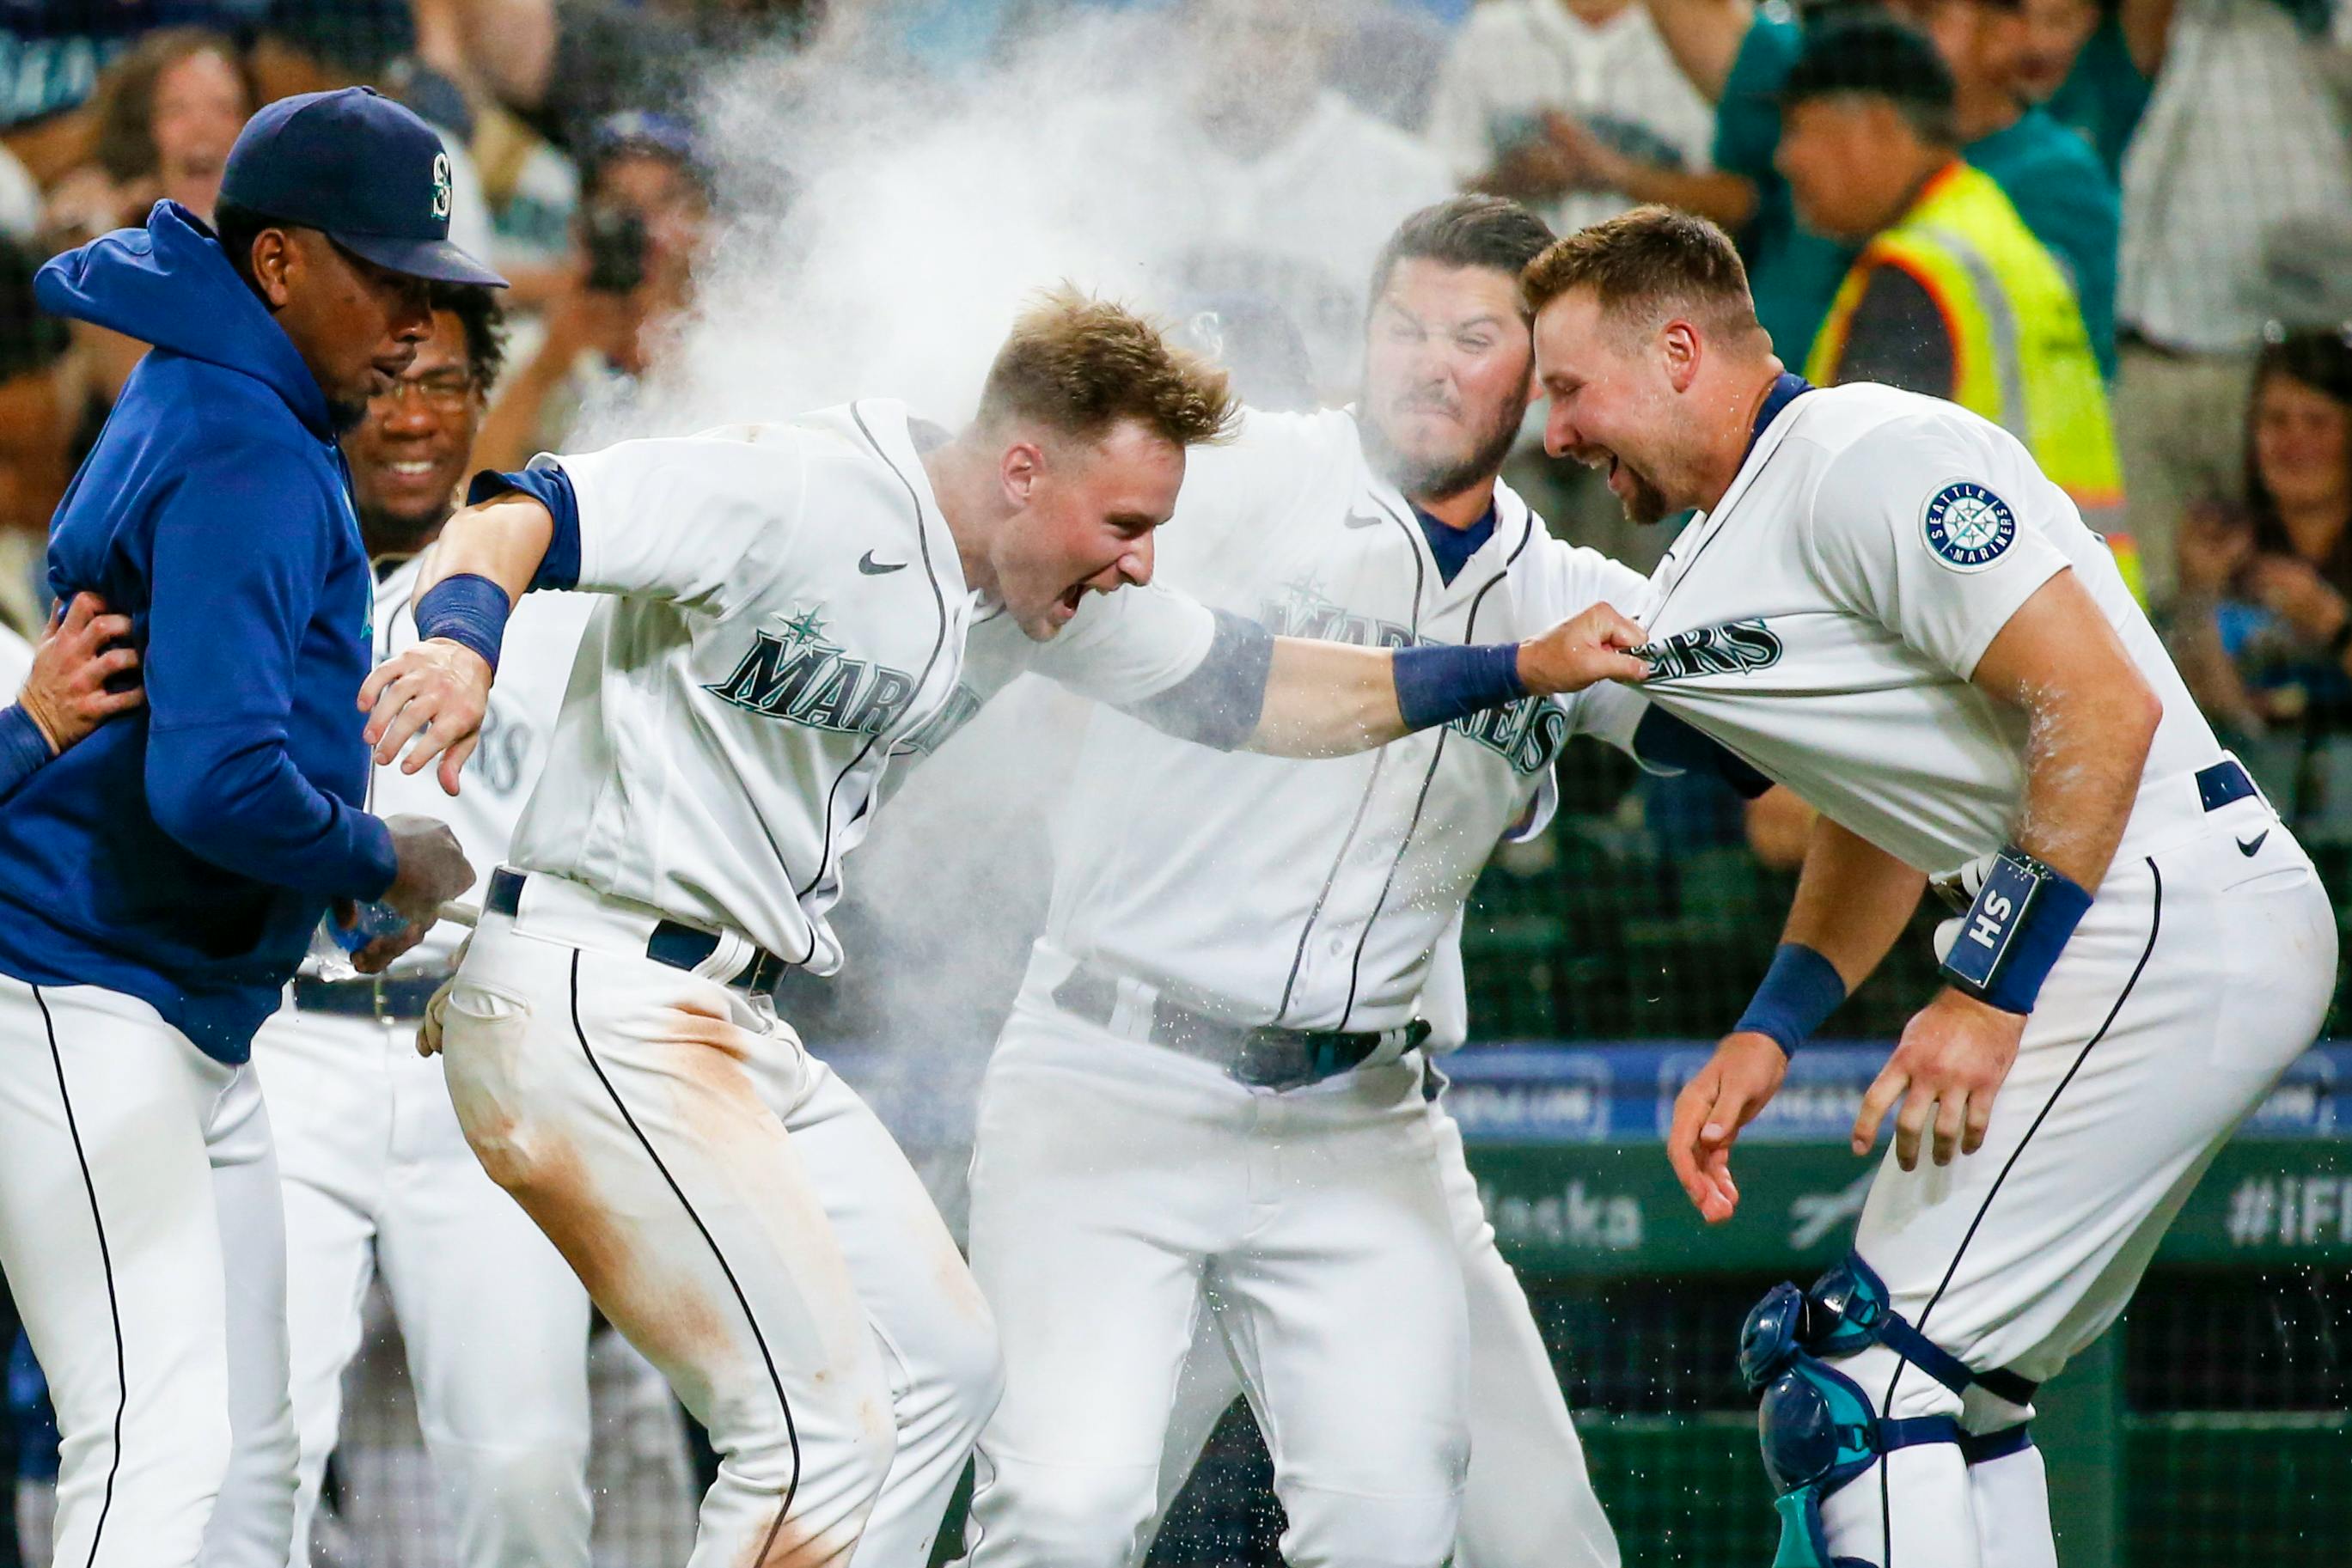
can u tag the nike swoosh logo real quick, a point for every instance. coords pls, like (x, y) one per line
(2248, 849)
(1357, 521)
(872, 568)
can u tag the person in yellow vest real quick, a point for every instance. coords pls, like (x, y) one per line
(1952, 294)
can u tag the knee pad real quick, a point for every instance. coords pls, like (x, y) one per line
(1819, 1429)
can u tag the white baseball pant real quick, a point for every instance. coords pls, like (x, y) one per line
(377, 1177)
(2199, 973)
(741, 1216)
(1529, 1501)
(139, 1229)
(1120, 1193)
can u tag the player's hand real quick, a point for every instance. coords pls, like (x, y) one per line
(1954, 1055)
(1711, 1110)
(432, 868)
(1572, 656)
(428, 1031)
(67, 696)
(434, 693)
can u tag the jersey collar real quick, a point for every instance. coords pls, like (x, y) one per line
(1787, 387)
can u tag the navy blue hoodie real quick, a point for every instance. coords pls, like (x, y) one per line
(183, 855)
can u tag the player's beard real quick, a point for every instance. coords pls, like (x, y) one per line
(1434, 479)
(1647, 504)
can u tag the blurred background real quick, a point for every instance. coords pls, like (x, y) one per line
(731, 209)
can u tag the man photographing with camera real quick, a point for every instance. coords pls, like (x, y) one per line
(644, 204)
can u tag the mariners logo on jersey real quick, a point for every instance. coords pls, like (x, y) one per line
(1304, 610)
(1734, 648)
(1528, 734)
(796, 675)
(1968, 525)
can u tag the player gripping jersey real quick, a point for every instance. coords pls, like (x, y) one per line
(790, 606)
(1209, 1117)
(1886, 605)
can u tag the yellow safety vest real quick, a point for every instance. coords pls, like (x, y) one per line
(2020, 355)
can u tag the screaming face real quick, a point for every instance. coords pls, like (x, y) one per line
(1087, 507)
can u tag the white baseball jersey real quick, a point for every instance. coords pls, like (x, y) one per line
(542, 640)
(1516, 58)
(1823, 620)
(789, 613)
(1297, 224)
(16, 664)
(1310, 893)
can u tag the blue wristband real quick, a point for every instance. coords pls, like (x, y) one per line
(1438, 683)
(469, 608)
(1799, 991)
(2011, 937)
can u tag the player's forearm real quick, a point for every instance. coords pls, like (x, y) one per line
(2084, 752)
(1326, 699)
(503, 539)
(1853, 901)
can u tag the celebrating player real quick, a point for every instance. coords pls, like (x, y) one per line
(1889, 608)
(160, 882)
(1211, 1107)
(377, 1177)
(793, 604)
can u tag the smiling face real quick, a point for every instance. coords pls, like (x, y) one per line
(2303, 444)
(198, 107)
(409, 453)
(1446, 376)
(1610, 402)
(1084, 513)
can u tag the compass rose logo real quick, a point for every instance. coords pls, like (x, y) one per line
(1968, 527)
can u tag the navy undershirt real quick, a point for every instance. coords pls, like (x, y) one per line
(1452, 547)
(1787, 387)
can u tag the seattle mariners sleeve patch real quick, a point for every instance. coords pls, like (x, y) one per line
(1968, 525)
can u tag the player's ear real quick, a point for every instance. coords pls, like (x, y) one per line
(1018, 471)
(1680, 345)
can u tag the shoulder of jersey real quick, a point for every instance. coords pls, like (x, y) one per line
(1837, 417)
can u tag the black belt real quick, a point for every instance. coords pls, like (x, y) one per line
(2223, 784)
(387, 997)
(1258, 1055)
(678, 946)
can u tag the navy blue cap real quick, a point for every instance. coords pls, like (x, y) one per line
(361, 170)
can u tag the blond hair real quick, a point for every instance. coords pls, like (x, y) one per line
(1646, 263)
(1081, 365)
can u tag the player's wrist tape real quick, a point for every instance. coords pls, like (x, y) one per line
(1799, 991)
(467, 609)
(2011, 935)
(1439, 683)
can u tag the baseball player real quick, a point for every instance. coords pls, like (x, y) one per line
(1887, 607)
(793, 604)
(376, 1176)
(160, 882)
(1210, 1116)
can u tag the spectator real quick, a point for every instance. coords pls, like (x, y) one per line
(1573, 106)
(1743, 56)
(2262, 626)
(35, 426)
(644, 207)
(1248, 176)
(52, 53)
(1951, 295)
(163, 119)
(2077, 65)
(2245, 135)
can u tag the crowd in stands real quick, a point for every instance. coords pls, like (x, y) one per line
(2121, 227)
